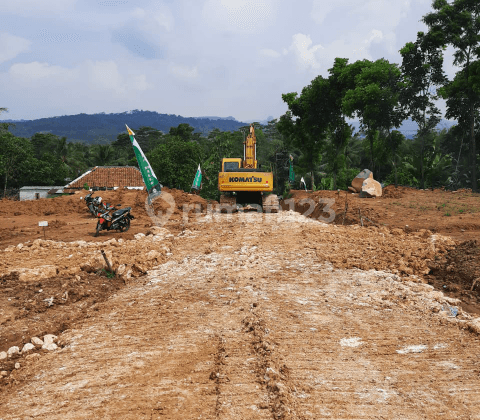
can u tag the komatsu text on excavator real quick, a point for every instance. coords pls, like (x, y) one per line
(243, 183)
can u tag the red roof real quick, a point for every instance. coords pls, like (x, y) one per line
(109, 177)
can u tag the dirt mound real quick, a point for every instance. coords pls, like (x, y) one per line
(460, 267)
(390, 191)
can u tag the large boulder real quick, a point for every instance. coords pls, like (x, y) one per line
(371, 188)
(358, 180)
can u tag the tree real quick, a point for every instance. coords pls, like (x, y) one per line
(422, 72)
(176, 162)
(5, 125)
(14, 151)
(374, 98)
(183, 131)
(306, 123)
(458, 24)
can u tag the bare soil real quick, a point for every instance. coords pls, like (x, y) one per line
(245, 315)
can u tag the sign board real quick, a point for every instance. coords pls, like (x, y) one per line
(42, 223)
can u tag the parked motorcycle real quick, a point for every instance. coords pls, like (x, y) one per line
(89, 200)
(118, 220)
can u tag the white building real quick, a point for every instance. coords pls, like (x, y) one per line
(35, 193)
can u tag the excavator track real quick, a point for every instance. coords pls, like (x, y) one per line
(270, 203)
(228, 203)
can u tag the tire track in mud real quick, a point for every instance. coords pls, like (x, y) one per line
(272, 373)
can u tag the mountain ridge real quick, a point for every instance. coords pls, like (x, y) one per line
(104, 128)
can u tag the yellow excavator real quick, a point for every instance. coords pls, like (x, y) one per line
(242, 182)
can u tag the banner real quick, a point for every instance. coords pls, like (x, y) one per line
(197, 182)
(151, 182)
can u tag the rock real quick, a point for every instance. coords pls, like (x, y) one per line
(372, 188)
(358, 180)
(3, 373)
(42, 272)
(17, 365)
(157, 230)
(3, 355)
(352, 190)
(452, 301)
(121, 269)
(32, 356)
(13, 351)
(139, 236)
(19, 246)
(37, 342)
(152, 255)
(474, 325)
(50, 347)
(27, 348)
(48, 339)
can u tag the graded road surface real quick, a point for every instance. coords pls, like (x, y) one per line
(263, 317)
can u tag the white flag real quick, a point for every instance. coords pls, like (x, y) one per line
(303, 181)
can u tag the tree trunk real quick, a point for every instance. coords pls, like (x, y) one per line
(473, 153)
(422, 169)
(393, 158)
(5, 187)
(371, 152)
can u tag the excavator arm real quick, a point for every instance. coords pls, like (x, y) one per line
(250, 150)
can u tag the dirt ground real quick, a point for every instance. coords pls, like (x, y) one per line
(246, 315)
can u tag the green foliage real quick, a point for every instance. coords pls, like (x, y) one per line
(345, 177)
(176, 162)
(458, 24)
(86, 187)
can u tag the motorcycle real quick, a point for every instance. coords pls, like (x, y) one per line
(95, 204)
(89, 201)
(118, 220)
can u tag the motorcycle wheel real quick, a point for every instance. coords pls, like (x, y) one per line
(125, 226)
(97, 231)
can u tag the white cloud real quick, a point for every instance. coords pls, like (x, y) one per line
(269, 53)
(140, 83)
(184, 72)
(321, 8)
(157, 19)
(89, 76)
(104, 75)
(11, 46)
(307, 56)
(36, 72)
(245, 16)
(37, 7)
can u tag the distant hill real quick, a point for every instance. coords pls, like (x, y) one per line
(103, 128)
(409, 128)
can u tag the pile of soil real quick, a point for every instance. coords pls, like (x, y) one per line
(458, 271)
(390, 191)
(452, 213)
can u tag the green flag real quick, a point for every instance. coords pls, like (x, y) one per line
(151, 182)
(291, 174)
(197, 182)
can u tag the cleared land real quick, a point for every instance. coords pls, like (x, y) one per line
(247, 316)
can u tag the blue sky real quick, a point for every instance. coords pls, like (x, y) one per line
(186, 57)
